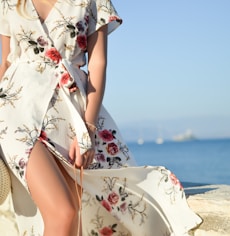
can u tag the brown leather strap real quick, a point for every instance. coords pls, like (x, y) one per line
(79, 197)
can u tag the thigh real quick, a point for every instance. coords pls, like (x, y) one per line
(47, 185)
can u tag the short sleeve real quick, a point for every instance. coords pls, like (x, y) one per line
(4, 23)
(102, 12)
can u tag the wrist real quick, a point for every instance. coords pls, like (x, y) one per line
(91, 127)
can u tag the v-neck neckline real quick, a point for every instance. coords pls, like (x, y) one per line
(43, 21)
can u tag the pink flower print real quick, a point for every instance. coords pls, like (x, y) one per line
(112, 149)
(175, 181)
(82, 41)
(73, 88)
(106, 205)
(43, 136)
(115, 18)
(53, 54)
(41, 41)
(28, 151)
(113, 198)
(123, 207)
(106, 135)
(22, 163)
(100, 157)
(65, 78)
(106, 231)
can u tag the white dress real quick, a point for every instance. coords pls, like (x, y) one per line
(37, 103)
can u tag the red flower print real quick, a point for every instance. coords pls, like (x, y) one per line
(106, 231)
(73, 87)
(175, 181)
(106, 135)
(43, 136)
(82, 41)
(100, 157)
(53, 54)
(86, 19)
(106, 205)
(115, 18)
(113, 198)
(65, 78)
(112, 148)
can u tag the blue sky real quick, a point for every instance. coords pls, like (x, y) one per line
(169, 68)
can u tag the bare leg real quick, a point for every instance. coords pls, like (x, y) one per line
(73, 187)
(51, 193)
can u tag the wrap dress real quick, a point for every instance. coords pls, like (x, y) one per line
(43, 97)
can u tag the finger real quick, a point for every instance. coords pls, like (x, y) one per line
(89, 156)
(79, 158)
(72, 151)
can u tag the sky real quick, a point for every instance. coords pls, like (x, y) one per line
(169, 69)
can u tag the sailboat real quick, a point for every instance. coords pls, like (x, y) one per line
(140, 141)
(159, 139)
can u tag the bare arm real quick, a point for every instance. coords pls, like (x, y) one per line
(5, 40)
(97, 62)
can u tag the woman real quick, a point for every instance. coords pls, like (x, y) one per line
(52, 125)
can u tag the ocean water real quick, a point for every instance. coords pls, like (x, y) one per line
(200, 161)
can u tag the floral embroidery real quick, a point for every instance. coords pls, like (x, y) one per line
(174, 188)
(3, 131)
(53, 54)
(115, 18)
(106, 135)
(76, 30)
(82, 41)
(118, 200)
(49, 123)
(38, 45)
(100, 229)
(30, 135)
(8, 97)
(175, 181)
(110, 151)
(7, 5)
(108, 231)
(18, 164)
(65, 78)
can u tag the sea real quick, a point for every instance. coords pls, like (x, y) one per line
(193, 162)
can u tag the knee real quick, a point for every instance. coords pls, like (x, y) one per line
(62, 217)
(66, 214)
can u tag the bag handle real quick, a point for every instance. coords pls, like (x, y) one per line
(79, 197)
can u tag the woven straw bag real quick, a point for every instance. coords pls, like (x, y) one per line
(5, 183)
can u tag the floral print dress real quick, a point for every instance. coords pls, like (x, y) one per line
(43, 97)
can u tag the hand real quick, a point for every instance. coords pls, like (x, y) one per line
(86, 158)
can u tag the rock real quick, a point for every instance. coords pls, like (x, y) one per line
(212, 203)
(7, 220)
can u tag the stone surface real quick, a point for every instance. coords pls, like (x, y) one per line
(211, 202)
